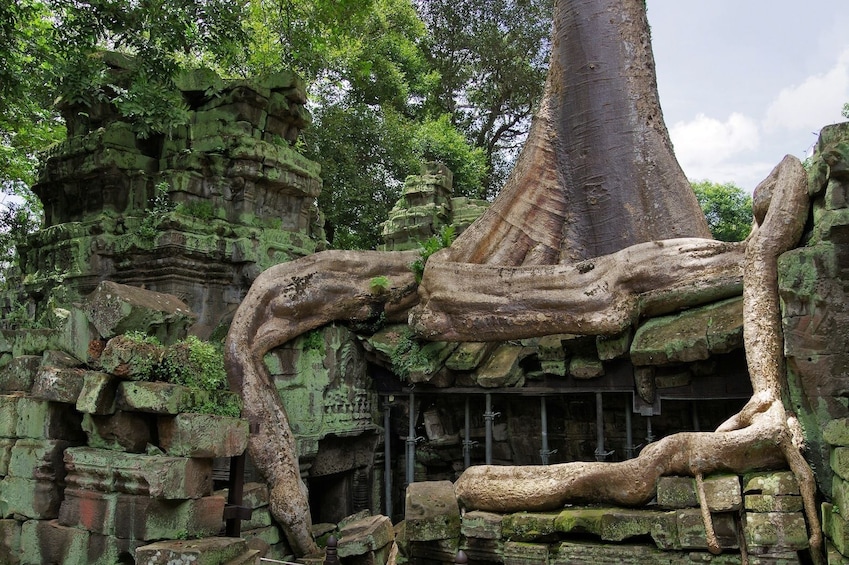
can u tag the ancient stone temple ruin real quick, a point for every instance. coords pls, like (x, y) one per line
(109, 453)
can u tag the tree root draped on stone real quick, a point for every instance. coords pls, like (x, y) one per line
(462, 301)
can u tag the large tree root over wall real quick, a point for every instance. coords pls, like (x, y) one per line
(486, 302)
(764, 434)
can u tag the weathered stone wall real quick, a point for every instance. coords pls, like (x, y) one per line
(97, 463)
(197, 212)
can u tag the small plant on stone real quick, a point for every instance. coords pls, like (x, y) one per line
(379, 285)
(407, 354)
(160, 206)
(314, 341)
(430, 246)
(200, 209)
(199, 365)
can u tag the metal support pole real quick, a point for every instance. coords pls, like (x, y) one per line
(544, 453)
(489, 416)
(600, 453)
(629, 432)
(411, 442)
(387, 464)
(467, 442)
(649, 435)
(696, 425)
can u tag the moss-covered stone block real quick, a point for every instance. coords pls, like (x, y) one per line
(41, 419)
(19, 374)
(585, 367)
(59, 384)
(431, 512)
(46, 541)
(203, 435)
(207, 551)
(690, 336)
(772, 503)
(31, 498)
(10, 541)
(775, 531)
(502, 368)
(529, 526)
(468, 356)
(691, 529)
(98, 394)
(481, 525)
(122, 431)
(6, 445)
(155, 476)
(610, 347)
(38, 459)
(522, 553)
(156, 397)
(771, 482)
(677, 492)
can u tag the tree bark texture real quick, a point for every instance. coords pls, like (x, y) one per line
(284, 302)
(597, 173)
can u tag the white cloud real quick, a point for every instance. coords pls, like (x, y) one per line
(706, 141)
(815, 102)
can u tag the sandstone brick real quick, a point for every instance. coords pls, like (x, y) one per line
(98, 394)
(207, 551)
(676, 492)
(155, 398)
(122, 431)
(482, 525)
(40, 459)
(773, 503)
(371, 533)
(6, 445)
(521, 553)
(836, 432)
(30, 498)
(618, 524)
(432, 512)
(9, 414)
(203, 435)
(722, 493)
(58, 384)
(41, 419)
(691, 529)
(10, 542)
(775, 531)
(130, 473)
(836, 527)
(139, 517)
(839, 462)
(19, 374)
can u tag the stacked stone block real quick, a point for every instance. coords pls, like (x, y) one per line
(96, 465)
(760, 513)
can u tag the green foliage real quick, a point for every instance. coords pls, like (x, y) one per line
(430, 246)
(137, 337)
(407, 354)
(200, 209)
(728, 209)
(439, 140)
(199, 365)
(846, 110)
(379, 285)
(160, 206)
(313, 341)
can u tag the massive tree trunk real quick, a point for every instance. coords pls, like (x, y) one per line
(597, 173)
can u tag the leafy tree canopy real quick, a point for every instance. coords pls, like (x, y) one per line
(727, 207)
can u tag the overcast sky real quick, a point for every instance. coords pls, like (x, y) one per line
(744, 82)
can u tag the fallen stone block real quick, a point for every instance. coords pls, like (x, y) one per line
(207, 551)
(116, 309)
(203, 435)
(367, 535)
(618, 524)
(131, 473)
(432, 512)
